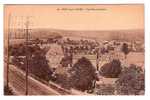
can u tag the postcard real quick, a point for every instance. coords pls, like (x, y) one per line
(74, 49)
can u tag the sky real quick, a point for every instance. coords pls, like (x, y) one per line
(76, 17)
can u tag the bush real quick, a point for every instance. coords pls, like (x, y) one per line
(125, 49)
(82, 74)
(8, 91)
(131, 81)
(38, 65)
(111, 70)
(61, 75)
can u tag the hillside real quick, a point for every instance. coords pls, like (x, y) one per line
(103, 35)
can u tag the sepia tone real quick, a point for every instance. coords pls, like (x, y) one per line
(74, 49)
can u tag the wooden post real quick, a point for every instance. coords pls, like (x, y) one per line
(7, 76)
(97, 67)
(97, 61)
(27, 53)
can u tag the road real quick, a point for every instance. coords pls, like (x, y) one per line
(17, 83)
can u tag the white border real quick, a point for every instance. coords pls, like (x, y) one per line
(147, 44)
(70, 1)
(1, 51)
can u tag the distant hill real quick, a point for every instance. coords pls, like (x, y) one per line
(97, 35)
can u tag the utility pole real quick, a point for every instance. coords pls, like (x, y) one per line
(27, 52)
(97, 67)
(97, 61)
(7, 76)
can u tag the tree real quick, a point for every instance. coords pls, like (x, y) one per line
(125, 49)
(37, 62)
(112, 69)
(82, 74)
(38, 65)
(131, 81)
(62, 77)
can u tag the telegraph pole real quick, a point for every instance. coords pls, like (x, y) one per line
(97, 67)
(27, 52)
(7, 76)
(97, 61)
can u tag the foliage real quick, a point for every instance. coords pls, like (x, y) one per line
(38, 66)
(131, 81)
(125, 49)
(36, 59)
(82, 74)
(112, 69)
(61, 76)
(8, 91)
(22, 49)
